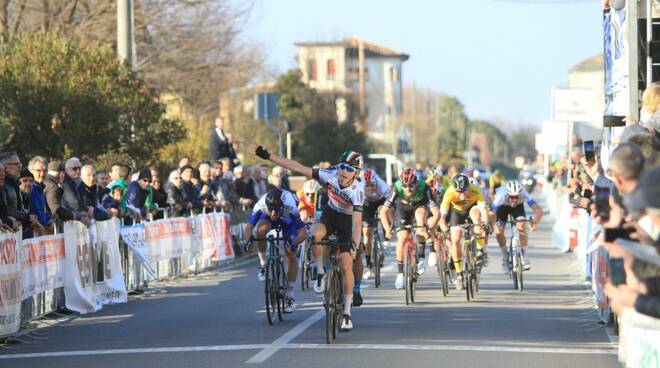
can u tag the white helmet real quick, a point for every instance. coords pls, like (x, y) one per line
(311, 186)
(513, 188)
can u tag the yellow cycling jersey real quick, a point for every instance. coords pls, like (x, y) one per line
(496, 181)
(473, 196)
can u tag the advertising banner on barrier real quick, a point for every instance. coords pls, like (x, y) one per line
(43, 264)
(167, 239)
(206, 235)
(224, 249)
(92, 273)
(10, 283)
(133, 236)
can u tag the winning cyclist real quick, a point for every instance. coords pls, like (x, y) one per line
(463, 200)
(412, 199)
(342, 215)
(510, 200)
(277, 209)
(375, 193)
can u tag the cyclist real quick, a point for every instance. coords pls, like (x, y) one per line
(412, 199)
(308, 199)
(463, 201)
(510, 200)
(495, 181)
(342, 215)
(277, 208)
(435, 182)
(375, 193)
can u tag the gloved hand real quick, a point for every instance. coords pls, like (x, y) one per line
(262, 153)
(247, 245)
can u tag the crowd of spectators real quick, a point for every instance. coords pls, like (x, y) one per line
(38, 198)
(620, 188)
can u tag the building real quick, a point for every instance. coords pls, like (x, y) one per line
(334, 67)
(589, 75)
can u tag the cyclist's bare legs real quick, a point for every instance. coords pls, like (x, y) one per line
(358, 265)
(499, 235)
(401, 236)
(522, 231)
(456, 251)
(422, 234)
(292, 259)
(479, 232)
(368, 233)
(346, 266)
(318, 233)
(261, 229)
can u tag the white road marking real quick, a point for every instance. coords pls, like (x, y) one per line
(266, 353)
(275, 347)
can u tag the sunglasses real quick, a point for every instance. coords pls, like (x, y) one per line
(514, 198)
(146, 181)
(411, 186)
(276, 210)
(76, 168)
(346, 167)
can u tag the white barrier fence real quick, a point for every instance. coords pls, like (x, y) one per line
(87, 263)
(575, 230)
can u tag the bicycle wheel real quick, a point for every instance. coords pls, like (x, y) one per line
(339, 302)
(407, 269)
(270, 286)
(282, 286)
(513, 264)
(329, 304)
(413, 272)
(473, 269)
(442, 266)
(467, 270)
(519, 272)
(303, 266)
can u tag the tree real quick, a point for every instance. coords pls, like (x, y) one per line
(60, 96)
(325, 140)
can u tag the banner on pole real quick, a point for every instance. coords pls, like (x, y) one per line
(224, 249)
(10, 283)
(92, 273)
(43, 264)
(167, 239)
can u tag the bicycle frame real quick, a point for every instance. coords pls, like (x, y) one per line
(276, 277)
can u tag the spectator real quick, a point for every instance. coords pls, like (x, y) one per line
(112, 200)
(188, 190)
(38, 166)
(219, 146)
(89, 195)
(70, 195)
(13, 166)
(175, 199)
(227, 169)
(625, 167)
(185, 161)
(233, 148)
(649, 115)
(7, 224)
(206, 185)
(244, 186)
(260, 183)
(25, 185)
(54, 194)
(120, 174)
(102, 182)
(136, 195)
(158, 193)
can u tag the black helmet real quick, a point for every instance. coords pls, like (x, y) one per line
(461, 182)
(274, 200)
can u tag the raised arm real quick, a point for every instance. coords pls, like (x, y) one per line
(281, 161)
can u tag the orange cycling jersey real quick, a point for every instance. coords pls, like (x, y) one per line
(473, 196)
(305, 204)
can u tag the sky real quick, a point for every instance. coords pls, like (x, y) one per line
(501, 58)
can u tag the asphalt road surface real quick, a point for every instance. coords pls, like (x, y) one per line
(217, 319)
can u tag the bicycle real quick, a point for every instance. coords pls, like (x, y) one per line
(515, 262)
(307, 272)
(443, 266)
(377, 255)
(410, 261)
(276, 282)
(333, 295)
(470, 271)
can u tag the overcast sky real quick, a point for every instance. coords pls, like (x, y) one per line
(499, 57)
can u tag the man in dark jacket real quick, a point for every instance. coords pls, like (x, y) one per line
(89, 194)
(14, 200)
(6, 223)
(136, 195)
(70, 194)
(188, 190)
(219, 146)
(178, 206)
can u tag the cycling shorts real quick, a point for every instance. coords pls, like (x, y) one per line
(340, 224)
(405, 213)
(516, 212)
(457, 217)
(370, 211)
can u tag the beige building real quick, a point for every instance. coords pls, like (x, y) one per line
(589, 74)
(335, 67)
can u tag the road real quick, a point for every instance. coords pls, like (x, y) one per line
(217, 320)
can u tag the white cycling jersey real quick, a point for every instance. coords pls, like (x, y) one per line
(290, 204)
(502, 198)
(377, 190)
(343, 200)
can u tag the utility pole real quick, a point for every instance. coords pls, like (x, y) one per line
(414, 121)
(125, 43)
(361, 81)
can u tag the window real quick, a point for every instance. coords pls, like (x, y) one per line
(330, 69)
(313, 73)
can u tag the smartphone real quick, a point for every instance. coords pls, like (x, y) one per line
(602, 201)
(612, 234)
(617, 272)
(589, 149)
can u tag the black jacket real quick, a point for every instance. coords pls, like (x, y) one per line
(191, 194)
(70, 195)
(174, 197)
(14, 200)
(54, 206)
(89, 198)
(219, 148)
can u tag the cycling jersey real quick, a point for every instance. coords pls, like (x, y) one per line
(473, 196)
(421, 196)
(495, 181)
(437, 190)
(305, 203)
(344, 200)
(289, 220)
(502, 198)
(377, 191)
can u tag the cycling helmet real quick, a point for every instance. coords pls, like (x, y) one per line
(473, 181)
(352, 158)
(408, 177)
(461, 182)
(274, 200)
(311, 186)
(434, 173)
(513, 188)
(369, 177)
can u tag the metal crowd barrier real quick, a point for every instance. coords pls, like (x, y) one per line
(136, 278)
